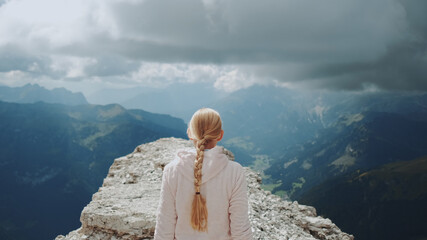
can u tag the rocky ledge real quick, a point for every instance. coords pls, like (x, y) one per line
(125, 206)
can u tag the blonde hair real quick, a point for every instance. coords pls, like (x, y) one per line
(204, 126)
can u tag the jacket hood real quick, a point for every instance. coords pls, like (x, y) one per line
(214, 162)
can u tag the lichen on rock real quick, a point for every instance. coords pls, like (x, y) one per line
(125, 206)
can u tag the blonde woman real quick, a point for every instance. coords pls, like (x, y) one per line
(203, 194)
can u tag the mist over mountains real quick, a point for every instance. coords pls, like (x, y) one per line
(179, 99)
(303, 142)
(31, 93)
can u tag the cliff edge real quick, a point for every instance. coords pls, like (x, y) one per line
(125, 206)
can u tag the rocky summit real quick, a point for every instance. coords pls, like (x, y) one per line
(125, 206)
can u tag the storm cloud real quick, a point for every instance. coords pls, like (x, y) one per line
(331, 44)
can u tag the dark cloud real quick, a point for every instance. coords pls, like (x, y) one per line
(402, 67)
(14, 58)
(324, 44)
(253, 31)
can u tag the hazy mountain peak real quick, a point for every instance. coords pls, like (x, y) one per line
(31, 93)
(111, 111)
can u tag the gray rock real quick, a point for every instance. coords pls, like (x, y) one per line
(125, 206)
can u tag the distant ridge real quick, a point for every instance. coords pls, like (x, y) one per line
(31, 93)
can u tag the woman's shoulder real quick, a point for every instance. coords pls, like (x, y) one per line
(219, 152)
(235, 167)
(183, 158)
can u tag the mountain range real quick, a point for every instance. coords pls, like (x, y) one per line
(302, 142)
(357, 142)
(32, 93)
(54, 157)
(305, 142)
(178, 99)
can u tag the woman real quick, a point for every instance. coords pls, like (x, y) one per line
(203, 195)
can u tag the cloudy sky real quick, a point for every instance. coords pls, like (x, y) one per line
(230, 44)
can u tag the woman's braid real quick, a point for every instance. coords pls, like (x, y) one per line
(205, 126)
(198, 163)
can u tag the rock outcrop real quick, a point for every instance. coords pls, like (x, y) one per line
(125, 206)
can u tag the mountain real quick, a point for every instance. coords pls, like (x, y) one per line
(300, 140)
(178, 99)
(32, 93)
(321, 172)
(125, 206)
(278, 125)
(262, 121)
(54, 157)
(362, 141)
(339, 105)
(387, 202)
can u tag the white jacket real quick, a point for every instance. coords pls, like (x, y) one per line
(224, 188)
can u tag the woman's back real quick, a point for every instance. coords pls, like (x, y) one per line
(203, 194)
(224, 187)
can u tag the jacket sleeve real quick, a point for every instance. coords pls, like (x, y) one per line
(240, 227)
(166, 212)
